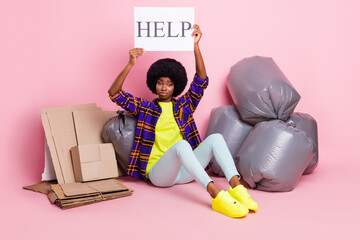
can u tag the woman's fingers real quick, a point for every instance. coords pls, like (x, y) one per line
(196, 33)
(137, 52)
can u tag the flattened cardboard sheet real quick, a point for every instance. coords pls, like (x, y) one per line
(60, 135)
(88, 106)
(78, 194)
(89, 125)
(43, 187)
(103, 186)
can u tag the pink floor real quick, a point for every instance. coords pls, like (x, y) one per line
(323, 204)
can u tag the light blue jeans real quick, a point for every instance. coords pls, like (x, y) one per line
(180, 164)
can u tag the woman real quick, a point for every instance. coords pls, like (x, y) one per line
(167, 148)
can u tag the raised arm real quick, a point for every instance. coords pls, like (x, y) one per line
(119, 81)
(199, 61)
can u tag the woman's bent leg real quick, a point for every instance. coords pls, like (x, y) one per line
(165, 172)
(215, 145)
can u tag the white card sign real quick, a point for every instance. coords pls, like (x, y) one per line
(164, 28)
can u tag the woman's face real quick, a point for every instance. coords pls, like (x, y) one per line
(165, 89)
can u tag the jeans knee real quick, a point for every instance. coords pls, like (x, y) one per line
(183, 145)
(216, 137)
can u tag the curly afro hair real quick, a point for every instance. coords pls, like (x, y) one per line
(170, 68)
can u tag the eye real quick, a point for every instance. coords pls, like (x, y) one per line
(170, 85)
(159, 83)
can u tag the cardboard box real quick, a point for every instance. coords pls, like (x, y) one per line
(94, 162)
(64, 129)
(78, 127)
(60, 135)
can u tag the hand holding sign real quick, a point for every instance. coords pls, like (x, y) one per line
(134, 54)
(197, 34)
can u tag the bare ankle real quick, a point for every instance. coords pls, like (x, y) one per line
(234, 181)
(212, 189)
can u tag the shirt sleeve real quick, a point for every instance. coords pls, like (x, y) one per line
(128, 102)
(196, 91)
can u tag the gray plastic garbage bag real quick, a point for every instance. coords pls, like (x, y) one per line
(274, 156)
(226, 121)
(120, 131)
(261, 91)
(306, 123)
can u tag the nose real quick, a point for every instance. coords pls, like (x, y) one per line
(163, 87)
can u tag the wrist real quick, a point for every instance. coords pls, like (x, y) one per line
(196, 47)
(130, 64)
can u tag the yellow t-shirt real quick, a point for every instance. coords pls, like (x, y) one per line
(167, 133)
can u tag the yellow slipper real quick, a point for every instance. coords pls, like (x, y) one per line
(227, 205)
(241, 195)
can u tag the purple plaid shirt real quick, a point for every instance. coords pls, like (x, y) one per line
(148, 112)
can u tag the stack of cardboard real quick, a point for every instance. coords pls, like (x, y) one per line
(78, 194)
(73, 137)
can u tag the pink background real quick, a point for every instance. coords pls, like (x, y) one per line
(55, 53)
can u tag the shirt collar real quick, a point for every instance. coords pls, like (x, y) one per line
(156, 102)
